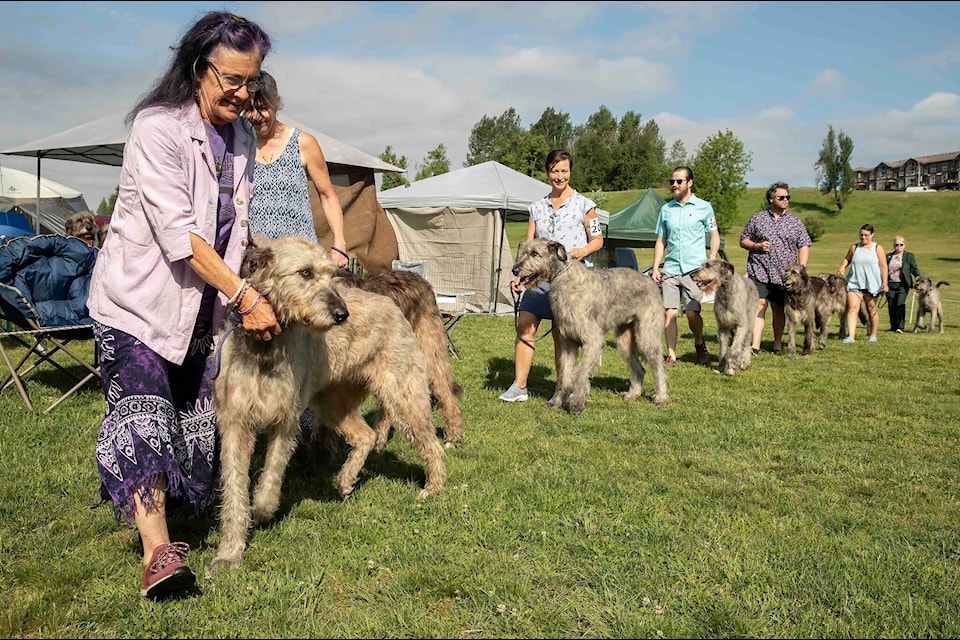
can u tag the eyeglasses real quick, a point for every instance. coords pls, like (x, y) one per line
(680, 181)
(787, 198)
(898, 244)
(865, 235)
(233, 83)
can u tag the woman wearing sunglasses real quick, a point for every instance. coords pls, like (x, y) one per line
(901, 270)
(775, 239)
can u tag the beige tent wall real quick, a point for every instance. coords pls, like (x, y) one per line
(366, 229)
(462, 248)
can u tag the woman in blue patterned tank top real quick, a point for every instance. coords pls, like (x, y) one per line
(286, 157)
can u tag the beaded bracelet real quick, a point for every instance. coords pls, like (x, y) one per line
(237, 297)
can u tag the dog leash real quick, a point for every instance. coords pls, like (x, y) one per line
(516, 321)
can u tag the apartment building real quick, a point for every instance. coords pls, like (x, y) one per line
(938, 172)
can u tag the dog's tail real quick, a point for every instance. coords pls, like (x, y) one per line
(942, 282)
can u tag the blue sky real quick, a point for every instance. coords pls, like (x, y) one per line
(413, 75)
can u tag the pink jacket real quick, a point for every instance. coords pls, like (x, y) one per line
(141, 282)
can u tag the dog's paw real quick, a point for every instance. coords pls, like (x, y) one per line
(220, 564)
(576, 406)
(661, 401)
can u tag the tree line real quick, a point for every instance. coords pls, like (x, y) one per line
(609, 154)
(625, 154)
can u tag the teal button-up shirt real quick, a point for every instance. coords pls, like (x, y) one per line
(684, 228)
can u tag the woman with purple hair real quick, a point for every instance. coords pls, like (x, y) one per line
(164, 281)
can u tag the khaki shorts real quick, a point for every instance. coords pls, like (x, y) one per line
(675, 287)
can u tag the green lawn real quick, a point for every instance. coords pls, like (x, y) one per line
(812, 497)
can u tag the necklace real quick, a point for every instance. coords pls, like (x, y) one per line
(269, 150)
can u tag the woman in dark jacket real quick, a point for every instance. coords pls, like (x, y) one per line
(901, 270)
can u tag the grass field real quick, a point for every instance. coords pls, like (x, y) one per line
(812, 497)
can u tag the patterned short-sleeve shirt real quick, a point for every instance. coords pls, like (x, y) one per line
(786, 235)
(566, 224)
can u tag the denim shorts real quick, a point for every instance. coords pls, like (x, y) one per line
(537, 301)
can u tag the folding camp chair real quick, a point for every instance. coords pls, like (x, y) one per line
(451, 300)
(44, 283)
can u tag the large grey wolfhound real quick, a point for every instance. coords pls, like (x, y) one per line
(588, 303)
(928, 301)
(337, 345)
(735, 306)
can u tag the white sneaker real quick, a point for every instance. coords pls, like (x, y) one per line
(514, 394)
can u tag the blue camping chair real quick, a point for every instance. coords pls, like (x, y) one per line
(44, 284)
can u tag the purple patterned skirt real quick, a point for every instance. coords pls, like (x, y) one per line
(159, 430)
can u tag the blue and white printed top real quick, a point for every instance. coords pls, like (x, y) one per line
(566, 224)
(281, 198)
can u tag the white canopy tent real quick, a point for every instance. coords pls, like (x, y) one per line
(20, 191)
(457, 219)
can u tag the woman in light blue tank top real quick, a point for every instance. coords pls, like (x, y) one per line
(867, 280)
(286, 157)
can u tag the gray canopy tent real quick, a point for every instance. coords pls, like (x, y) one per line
(368, 234)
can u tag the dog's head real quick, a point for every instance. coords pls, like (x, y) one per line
(835, 284)
(711, 273)
(82, 225)
(539, 260)
(795, 277)
(923, 285)
(296, 277)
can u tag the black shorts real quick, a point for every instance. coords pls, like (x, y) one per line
(775, 293)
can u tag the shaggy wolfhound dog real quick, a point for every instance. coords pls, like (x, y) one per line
(82, 225)
(418, 302)
(837, 287)
(928, 301)
(808, 301)
(588, 303)
(336, 345)
(735, 305)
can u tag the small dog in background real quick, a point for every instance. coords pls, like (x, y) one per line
(928, 301)
(735, 306)
(82, 225)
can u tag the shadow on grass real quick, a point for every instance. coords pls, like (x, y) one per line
(541, 380)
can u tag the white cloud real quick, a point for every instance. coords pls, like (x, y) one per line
(828, 82)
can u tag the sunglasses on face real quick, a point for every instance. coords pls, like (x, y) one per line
(787, 198)
(680, 181)
(898, 244)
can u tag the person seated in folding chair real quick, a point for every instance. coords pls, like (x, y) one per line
(44, 282)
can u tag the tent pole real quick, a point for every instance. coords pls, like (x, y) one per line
(36, 226)
(503, 233)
